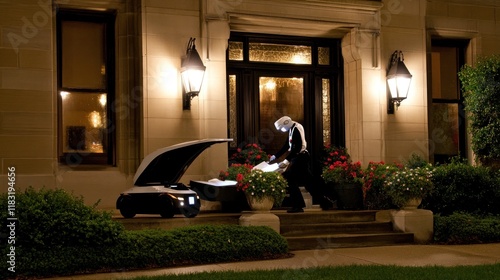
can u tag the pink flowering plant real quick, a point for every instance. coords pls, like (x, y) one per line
(250, 154)
(260, 184)
(343, 172)
(407, 183)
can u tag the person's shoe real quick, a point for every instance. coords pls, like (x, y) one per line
(326, 203)
(295, 210)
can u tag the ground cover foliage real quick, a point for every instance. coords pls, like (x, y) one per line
(58, 234)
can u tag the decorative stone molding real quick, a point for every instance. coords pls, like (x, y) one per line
(318, 18)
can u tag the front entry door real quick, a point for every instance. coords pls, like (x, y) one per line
(271, 76)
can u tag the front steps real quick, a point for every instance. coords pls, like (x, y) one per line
(316, 229)
(313, 229)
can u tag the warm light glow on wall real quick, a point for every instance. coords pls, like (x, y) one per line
(166, 77)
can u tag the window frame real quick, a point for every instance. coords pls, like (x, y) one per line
(461, 46)
(108, 19)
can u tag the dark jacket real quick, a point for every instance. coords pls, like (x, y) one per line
(296, 144)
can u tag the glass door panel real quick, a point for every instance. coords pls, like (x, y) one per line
(279, 96)
(445, 133)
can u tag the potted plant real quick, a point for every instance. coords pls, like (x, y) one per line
(407, 186)
(234, 199)
(263, 189)
(251, 154)
(346, 178)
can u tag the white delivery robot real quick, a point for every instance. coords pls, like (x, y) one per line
(156, 188)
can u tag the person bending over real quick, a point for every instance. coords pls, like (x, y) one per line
(297, 163)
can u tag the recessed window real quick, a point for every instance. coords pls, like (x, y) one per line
(85, 87)
(447, 121)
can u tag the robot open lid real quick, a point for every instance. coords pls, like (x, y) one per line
(156, 188)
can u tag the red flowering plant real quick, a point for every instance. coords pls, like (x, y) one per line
(343, 172)
(250, 154)
(256, 182)
(374, 191)
(237, 172)
(332, 154)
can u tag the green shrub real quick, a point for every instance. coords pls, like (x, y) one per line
(464, 228)
(50, 218)
(462, 187)
(481, 86)
(156, 248)
(57, 234)
(415, 161)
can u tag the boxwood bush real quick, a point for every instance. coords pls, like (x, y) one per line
(58, 235)
(465, 203)
(465, 228)
(51, 218)
(154, 249)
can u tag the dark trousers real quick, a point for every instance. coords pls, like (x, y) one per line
(298, 174)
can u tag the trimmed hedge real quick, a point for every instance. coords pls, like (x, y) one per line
(464, 228)
(465, 203)
(56, 234)
(459, 186)
(50, 218)
(154, 249)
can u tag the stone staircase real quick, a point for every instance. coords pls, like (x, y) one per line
(336, 229)
(313, 229)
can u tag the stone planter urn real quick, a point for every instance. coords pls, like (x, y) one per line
(412, 203)
(260, 214)
(264, 204)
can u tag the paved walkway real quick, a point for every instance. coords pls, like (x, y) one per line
(402, 255)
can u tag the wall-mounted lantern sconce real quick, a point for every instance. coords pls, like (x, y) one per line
(398, 79)
(192, 72)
